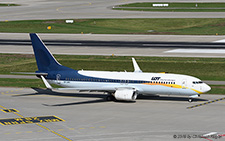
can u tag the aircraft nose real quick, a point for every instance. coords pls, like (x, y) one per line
(206, 88)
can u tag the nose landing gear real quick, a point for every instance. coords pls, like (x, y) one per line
(190, 100)
(193, 96)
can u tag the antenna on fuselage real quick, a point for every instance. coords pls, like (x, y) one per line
(136, 67)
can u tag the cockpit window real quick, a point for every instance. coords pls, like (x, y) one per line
(197, 82)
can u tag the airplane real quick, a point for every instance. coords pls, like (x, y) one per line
(121, 86)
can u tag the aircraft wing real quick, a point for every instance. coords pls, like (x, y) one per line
(101, 89)
(121, 93)
(87, 89)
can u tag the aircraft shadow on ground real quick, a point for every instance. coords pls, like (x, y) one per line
(168, 98)
(102, 97)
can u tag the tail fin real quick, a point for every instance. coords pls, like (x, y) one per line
(45, 60)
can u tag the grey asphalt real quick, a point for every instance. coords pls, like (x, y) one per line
(119, 51)
(115, 37)
(119, 44)
(88, 117)
(70, 9)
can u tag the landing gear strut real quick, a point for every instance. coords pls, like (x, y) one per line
(193, 96)
(110, 97)
(190, 100)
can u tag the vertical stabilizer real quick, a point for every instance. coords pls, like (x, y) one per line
(45, 60)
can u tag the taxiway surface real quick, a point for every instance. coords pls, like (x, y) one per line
(145, 50)
(88, 117)
(85, 9)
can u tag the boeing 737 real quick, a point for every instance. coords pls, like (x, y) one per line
(123, 86)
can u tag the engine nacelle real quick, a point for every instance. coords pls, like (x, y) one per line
(125, 94)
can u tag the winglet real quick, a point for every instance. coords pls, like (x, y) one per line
(46, 82)
(136, 67)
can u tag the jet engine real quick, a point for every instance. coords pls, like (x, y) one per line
(125, 94)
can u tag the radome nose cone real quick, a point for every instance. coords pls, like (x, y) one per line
(207, 88)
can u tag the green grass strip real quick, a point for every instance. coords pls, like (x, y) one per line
(176, 5)
(172, 10)
(8, 4)
(217, 89)
(204, 26)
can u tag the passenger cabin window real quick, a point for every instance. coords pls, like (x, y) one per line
(197, 82)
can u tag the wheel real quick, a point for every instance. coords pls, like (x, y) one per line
(109, 98)
(190, 100)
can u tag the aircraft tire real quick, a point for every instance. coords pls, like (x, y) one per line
(110, 98)
(190, 100)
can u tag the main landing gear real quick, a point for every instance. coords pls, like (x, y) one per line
(110, 97)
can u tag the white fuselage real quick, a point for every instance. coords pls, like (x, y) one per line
(143, 83)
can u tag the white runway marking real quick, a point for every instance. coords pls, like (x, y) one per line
(220, 41)
(221, 51)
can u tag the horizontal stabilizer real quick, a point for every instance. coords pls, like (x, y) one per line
(32, 73)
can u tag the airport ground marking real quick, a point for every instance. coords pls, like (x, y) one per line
(25, 120)
(7, 92)
(2, 107)
(18, 115)
(10, 110)
(59, 8)
(14, 111)
(209, 102)
(29, 132)
(29, 120)
(46, 128)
